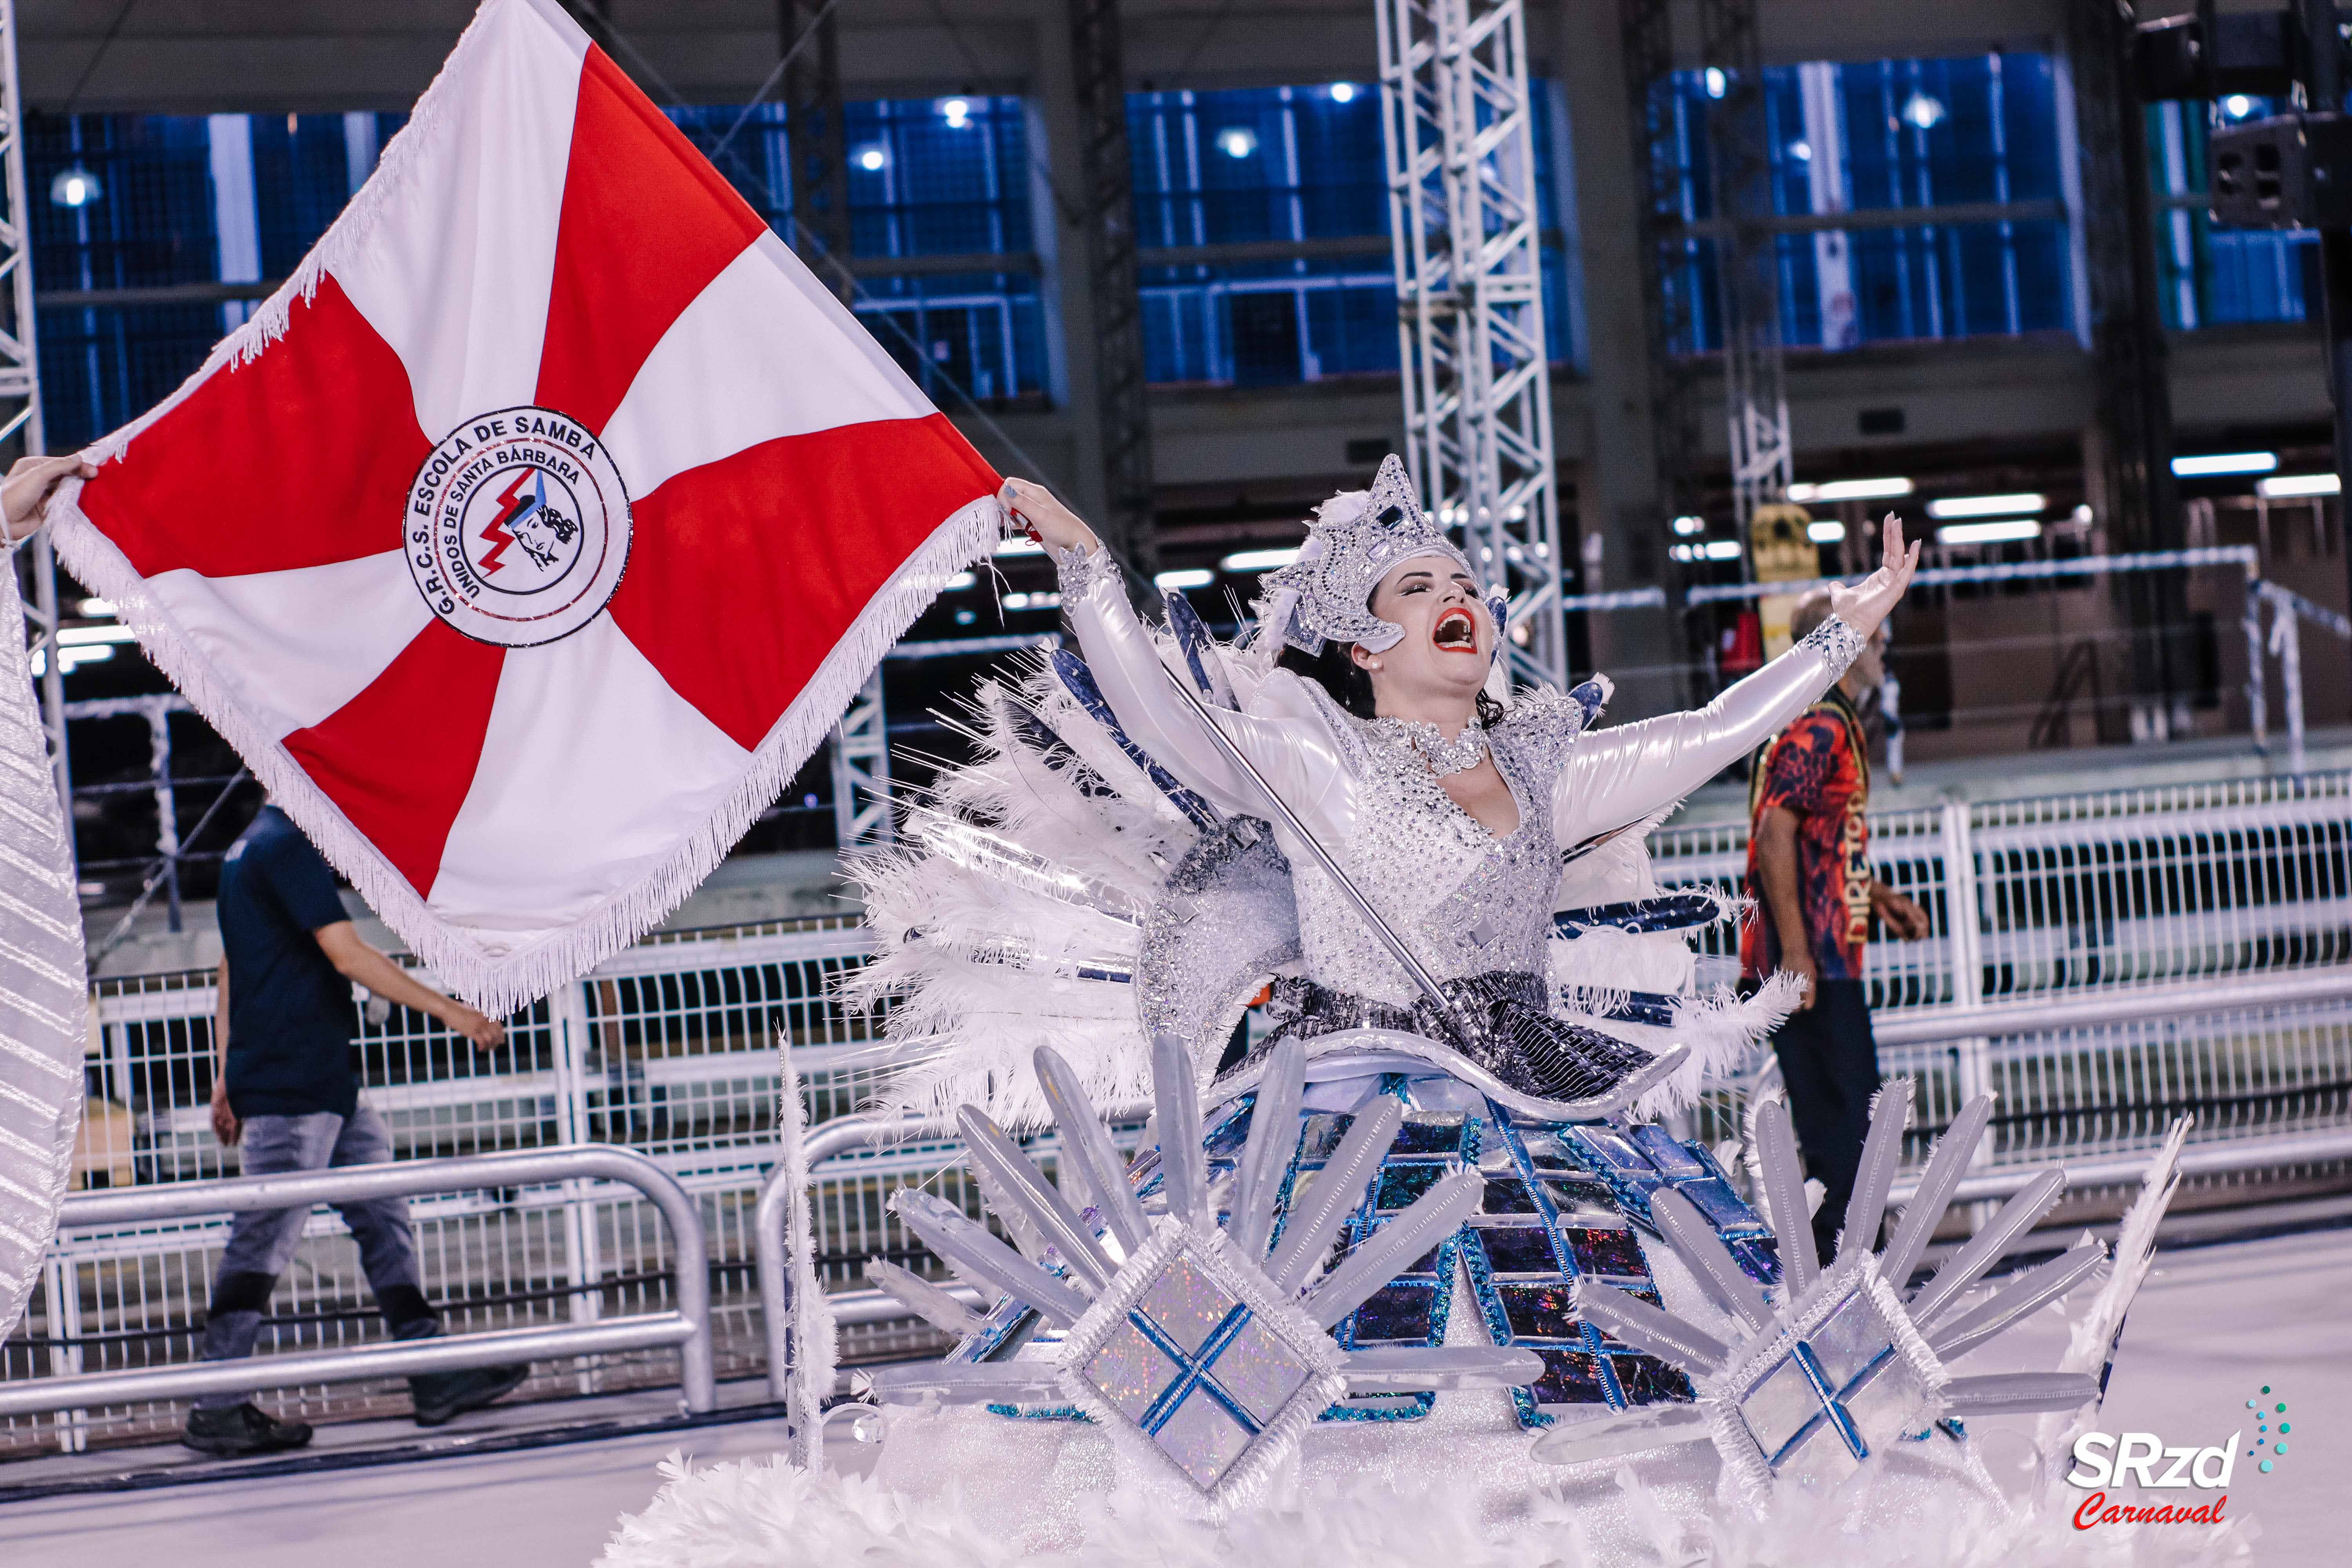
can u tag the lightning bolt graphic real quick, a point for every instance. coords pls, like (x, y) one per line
(512, 509)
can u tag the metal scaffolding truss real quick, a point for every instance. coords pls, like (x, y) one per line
(1107, 210)
(1756, 398)
(818, 140)
(20, 403)
(861, 770)
(1456, 123)
(1646, 35)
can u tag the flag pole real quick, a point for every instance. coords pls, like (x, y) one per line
(1380, 928)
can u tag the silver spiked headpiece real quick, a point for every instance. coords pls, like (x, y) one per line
(1357, 539)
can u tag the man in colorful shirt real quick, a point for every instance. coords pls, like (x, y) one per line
(1809, 870)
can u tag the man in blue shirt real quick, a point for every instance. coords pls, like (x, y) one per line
(284, 1085)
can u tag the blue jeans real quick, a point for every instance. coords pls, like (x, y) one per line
(261, 1242)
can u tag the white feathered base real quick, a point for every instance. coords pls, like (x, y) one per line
(1457, 1489)
(1659, 1509)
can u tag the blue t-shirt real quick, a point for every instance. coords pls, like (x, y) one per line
(289, 1012)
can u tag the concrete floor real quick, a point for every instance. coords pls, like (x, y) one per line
(2213, 1326)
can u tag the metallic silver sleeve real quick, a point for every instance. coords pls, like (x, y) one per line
(44, 992)
(1617, 777)
(1294, 752)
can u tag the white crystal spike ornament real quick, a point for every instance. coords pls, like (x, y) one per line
(1838, 1364)
(1202, 1358)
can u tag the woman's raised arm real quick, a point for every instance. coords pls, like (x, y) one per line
(1618, 777)
(1292, 751)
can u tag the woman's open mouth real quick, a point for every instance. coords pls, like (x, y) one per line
(1456, 632)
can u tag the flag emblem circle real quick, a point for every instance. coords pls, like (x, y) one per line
(517, 527)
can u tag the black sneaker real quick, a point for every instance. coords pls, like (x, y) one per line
(235, 1431)
(440, 1396)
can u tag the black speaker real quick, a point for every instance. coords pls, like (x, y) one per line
(2291, 171)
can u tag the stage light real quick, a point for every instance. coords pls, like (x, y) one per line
(69, 658)
(1717, 84)
(2294, 487)
(1688, 525)
(2083, 513)
(1803, 152)
(1259, 560)
(1185, 577)
(75, 187)
(1923, 111)
(2213, 463)
(1343, 92)
(1831, 531)
(956, 112)
(873, 160)
(1722, 550)
(1988, 506)
(1989, 532)
(2237, 106)
(1047, 601)
(98, 608)
(1020, 546)
(88, 636)
(1237, 141)
(961, 580)
(1852, 489)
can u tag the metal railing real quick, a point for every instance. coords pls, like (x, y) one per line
(2129, 901)
(687, 1328)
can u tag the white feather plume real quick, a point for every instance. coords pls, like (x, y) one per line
(976, 969)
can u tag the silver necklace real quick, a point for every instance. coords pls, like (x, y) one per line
(1459, 755)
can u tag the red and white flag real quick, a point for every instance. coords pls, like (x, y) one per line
(528, 541)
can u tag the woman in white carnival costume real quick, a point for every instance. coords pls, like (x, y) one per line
(1375, 724)
(1412, 1278)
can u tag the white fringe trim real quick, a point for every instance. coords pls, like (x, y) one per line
(504, 984)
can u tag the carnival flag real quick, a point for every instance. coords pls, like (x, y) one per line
(532, 535)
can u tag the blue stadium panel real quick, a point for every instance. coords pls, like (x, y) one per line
(149, 223)
(1911, 135)
(926, 177)
(1274, 166)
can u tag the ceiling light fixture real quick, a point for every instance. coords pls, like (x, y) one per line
(1988, 506)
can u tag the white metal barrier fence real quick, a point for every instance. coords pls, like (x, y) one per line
(668, 1049)
(685, 1328)
(2155, 890)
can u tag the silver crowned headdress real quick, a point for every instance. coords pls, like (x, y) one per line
(1358, 538)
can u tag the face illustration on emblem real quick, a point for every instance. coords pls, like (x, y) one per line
(522, 518)
(517, 528)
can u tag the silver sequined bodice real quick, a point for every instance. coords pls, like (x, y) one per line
(1466, 901)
